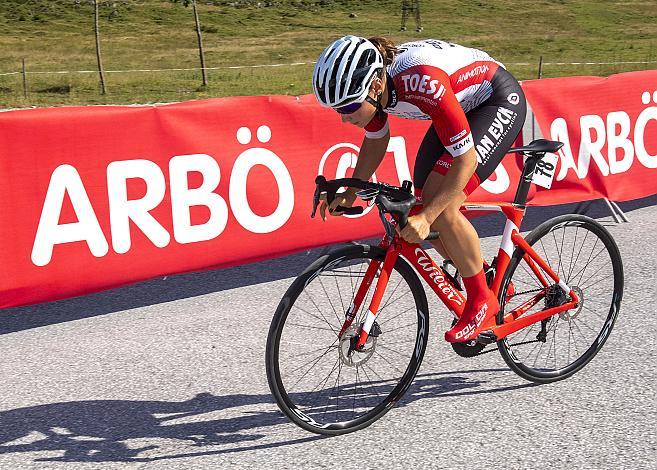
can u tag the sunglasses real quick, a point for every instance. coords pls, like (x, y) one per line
(353, 107)
(348, 109)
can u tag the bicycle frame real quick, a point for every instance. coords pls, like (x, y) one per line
(445, 289)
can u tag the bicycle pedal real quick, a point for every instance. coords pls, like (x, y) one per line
(486, 337)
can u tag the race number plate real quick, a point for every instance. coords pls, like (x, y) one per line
(544, 173)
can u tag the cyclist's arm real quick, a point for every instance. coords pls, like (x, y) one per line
(373, 148)
(453, 130)
(370, 157)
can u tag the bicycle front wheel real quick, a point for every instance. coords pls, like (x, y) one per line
(317, 381)
(584, 255)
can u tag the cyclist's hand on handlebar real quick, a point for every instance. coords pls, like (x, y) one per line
(345, 199)
(416, 229)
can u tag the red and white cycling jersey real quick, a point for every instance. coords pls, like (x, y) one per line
(440, 81)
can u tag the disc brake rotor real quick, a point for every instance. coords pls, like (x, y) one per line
(355, 358)
(572, 313)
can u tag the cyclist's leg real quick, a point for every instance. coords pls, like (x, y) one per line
(494, 125)
(430, 150)
(430, 154)
(458, 236)
(497, 122)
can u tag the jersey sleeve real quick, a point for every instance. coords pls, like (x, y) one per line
(430, 90)
(378, 127)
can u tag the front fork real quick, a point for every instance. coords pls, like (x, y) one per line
(392, 253)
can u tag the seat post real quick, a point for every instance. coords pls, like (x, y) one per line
(526, 178)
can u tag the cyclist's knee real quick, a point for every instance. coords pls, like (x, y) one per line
(448, 217)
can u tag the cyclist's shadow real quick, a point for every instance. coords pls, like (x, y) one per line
(100, 430)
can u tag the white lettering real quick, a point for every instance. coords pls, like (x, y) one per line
(432, 87)
(436, 275)
(237, 191)
(590, 147)
(423, 84)
(405, 79)
(619, 140)
(500, 181)
(647, 160)
(415, 82)
(440, 92)
(183, 198)
(65, 179)
(122, 210)
(559, 131)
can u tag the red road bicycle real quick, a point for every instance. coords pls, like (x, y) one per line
(348, 337)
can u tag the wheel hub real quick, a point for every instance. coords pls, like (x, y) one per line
(351, 357)
(573, 312)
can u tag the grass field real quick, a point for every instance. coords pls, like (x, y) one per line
(57, 35)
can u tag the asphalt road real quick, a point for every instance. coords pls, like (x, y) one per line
(170, 374)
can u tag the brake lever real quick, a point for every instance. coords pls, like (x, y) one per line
(320, 183)
(354, 210)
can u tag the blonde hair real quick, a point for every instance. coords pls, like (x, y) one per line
(386, 48)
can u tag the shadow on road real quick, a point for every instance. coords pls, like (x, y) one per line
(101, 430)
(195, 284)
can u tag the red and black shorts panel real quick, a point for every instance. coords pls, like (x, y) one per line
(495, 125)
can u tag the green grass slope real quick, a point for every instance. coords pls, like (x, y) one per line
(58, 35)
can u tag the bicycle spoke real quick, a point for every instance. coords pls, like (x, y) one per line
(586, 260)
(392, 293)
(311, 367)
(570, 274)
(305, 353)
(400, 327)
(311, 327)
(594, 312)
(531, 275)
(320, 385)
(388, 320)
(585, 284)
(322, 318)
(376, 351)
(572, 255)
(328, 297)
(387, 347)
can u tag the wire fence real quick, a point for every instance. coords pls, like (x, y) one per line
(52, 87)
(237, 67)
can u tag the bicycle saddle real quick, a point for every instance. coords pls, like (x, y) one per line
(539, 146)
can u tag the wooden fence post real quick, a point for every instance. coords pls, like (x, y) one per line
(24, 79)
(103, 89)
(200, 45)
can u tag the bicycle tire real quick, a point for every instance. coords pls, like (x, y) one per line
(323, 416)
(577, 278)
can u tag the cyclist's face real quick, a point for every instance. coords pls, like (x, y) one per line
(362, 116)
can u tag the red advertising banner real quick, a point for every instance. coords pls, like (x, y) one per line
(609, 130)
(97, 197)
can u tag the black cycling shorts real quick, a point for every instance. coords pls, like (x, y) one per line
(495, 124)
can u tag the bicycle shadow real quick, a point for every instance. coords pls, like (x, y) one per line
(101, 430)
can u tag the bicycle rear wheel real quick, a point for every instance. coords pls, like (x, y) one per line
(316, 381)
(583, 253)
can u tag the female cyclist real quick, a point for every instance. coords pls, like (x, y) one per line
(477, 110)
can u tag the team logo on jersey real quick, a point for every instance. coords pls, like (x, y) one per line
(513, 98)
(478, 70)
(423, 84)
(458, 136)
(498, 129)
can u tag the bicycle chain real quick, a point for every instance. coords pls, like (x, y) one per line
(528, 291)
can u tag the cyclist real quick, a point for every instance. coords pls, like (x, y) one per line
(477, 109)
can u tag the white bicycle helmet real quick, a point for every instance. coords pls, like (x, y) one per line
(344, 71)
